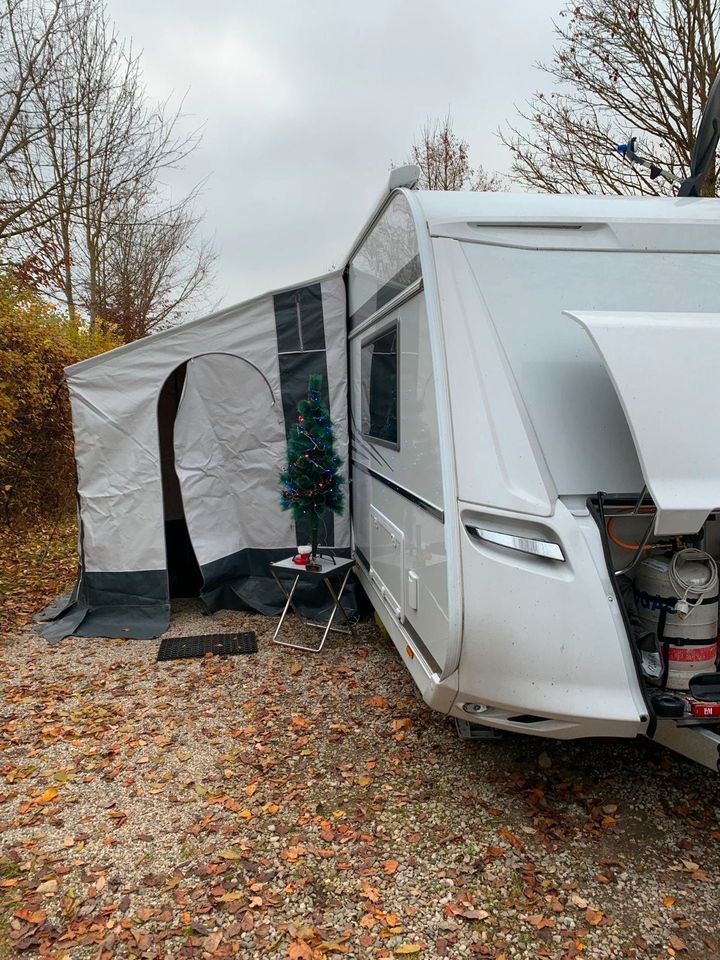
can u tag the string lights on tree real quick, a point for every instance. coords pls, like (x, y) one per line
(311, 482)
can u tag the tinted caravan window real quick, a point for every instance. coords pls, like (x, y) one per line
(380, 387)
(387, 262)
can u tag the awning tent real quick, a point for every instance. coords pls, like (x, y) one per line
(179, 441)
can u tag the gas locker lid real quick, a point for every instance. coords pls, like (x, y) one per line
(665, 368)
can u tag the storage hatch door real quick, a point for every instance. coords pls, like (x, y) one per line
(387, 561)
(665, 368)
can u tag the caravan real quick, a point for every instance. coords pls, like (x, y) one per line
(534, 400)
(526, 392)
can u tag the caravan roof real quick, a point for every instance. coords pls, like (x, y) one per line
(439, 206)
(459, 214)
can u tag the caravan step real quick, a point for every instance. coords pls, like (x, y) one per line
(467, 730)
(698, 743)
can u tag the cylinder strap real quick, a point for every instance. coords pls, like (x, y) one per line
(668, 603)
(665, 647)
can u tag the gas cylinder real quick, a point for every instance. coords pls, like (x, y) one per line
(690, 638)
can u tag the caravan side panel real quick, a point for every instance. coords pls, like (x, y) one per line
(398, 508)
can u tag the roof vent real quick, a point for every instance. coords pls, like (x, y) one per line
(403, 177)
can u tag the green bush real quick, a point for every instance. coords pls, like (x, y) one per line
(37, 472)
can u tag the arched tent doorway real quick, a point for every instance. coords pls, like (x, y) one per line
(184, 576)
(229, 444)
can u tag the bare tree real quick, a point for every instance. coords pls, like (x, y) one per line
(33, 34)
(621, 67)
(98, 166)
(150, 268)
(444, 160)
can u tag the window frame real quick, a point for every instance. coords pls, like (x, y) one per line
(362, 312)
(366, 342)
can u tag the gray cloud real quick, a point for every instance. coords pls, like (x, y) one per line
(306, 104)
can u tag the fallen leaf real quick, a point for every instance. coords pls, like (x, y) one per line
(230, 855)
(47, 796)
(391, 866)
(49, 886)
(371, 893)
(475, 914)
(514, 841)
(300, 950)
(231, 896)
(405, 949)
(212, 941)
(676, 943)
(594, 917)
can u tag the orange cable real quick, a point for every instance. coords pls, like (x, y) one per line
(621, 543)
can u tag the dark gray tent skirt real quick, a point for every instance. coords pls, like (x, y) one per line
(136, 604)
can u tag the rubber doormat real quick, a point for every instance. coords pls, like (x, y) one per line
(221, 644)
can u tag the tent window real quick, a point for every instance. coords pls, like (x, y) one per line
(380, 387)
(299, 320)
(387, 262)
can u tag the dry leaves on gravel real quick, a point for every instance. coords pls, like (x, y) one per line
(267, 806)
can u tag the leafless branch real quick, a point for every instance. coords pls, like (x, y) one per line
(620, 67)
(444, 160)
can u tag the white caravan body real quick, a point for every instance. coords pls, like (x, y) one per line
(510, 357)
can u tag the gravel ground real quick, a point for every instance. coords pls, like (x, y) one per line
(286, 804)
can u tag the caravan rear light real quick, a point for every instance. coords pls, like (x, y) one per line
(538, 548)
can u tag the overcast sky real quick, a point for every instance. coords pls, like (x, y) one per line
(307, 102)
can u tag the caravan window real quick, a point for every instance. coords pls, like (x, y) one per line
(386, 263)
(379, 369)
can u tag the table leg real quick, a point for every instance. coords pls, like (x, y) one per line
(337, 604)
(287, 604)
(338, 599)
(284, 592)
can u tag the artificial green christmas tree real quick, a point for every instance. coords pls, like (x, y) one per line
(311, 482)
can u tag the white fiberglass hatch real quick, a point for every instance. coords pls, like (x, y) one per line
(665, 368)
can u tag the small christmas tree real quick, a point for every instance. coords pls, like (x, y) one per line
(311, 482)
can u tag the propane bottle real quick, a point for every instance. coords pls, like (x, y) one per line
(685, 588)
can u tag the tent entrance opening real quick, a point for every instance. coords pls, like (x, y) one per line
(184, 577)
